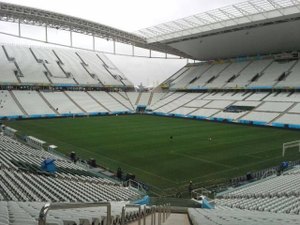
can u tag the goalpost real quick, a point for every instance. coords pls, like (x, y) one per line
(288, 145)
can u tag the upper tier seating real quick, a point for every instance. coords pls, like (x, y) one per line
(189, 75)
(292, 80)
(272, 74)
(7, 69)
(228, 75)
(95, 66)
(46, 66)
(250, 74)
(53, 66)
(73, 65)
(208, 76)
(28, 69)
(114, 71)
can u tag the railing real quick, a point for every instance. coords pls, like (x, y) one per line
(56, 206)
(135, 184)
(163, 211)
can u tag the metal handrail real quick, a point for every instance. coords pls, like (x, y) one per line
(131, 206)
(56, 206)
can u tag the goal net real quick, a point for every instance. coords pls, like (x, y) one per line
(288, 145)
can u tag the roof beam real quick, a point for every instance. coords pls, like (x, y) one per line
(214, 17)
(37, 17)
(276, 6)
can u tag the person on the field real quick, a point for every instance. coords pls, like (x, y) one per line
(119, 173)
(190, 188)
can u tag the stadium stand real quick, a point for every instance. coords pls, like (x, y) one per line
(25, 188)
(26, 98)
(52, 66)
(59, 67)
(84, 101)
(27, 69)
(133, 97)
(291, 78)
(7, 69)
(208, 76)
(239, 87)
(112, 104)
(8, 107)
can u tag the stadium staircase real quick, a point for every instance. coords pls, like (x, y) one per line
(45, 100)
(127, 98)
(96, 100)
(150, 99)
(138, 98)
(173, 219)
(249, 111)
(284, 112)
(173, 100)
(74, 102)
(119, 100)
(18, 103)
(286, 74)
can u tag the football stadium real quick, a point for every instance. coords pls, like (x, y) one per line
(216, 142)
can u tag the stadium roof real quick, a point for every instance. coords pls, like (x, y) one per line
(224, 30)
(38, 17)
(245, 29)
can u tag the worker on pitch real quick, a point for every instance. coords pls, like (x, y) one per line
(190, 188)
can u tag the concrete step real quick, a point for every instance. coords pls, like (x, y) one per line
(177, 219)
(174, 219)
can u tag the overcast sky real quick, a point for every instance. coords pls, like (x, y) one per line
(130, 15)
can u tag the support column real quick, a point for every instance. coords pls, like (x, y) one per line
(46, 33)
(132, 50)
(19, 27)
(71, 38)
(94, 44)
(114, 45)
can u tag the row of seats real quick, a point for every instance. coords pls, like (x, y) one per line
(34, 65)
(71, 183)
(275, 204)
(279, 194)
(262, 107)
(22, 103)
(229, 216)
(22, 186)
(262, 73)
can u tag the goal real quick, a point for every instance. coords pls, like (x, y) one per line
(288, 145)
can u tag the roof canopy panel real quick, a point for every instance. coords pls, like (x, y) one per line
(226, 17)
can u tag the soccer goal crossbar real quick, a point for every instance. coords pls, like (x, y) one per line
(288, 145)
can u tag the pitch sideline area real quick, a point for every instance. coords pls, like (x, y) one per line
(140, 144)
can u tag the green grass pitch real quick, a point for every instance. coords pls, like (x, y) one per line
(141, 144)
